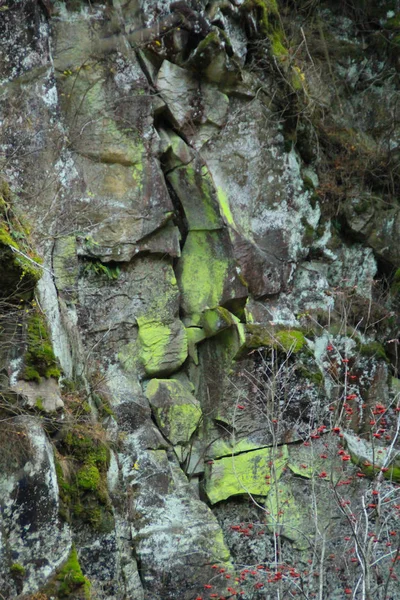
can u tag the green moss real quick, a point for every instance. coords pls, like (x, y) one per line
(83, 445)
(84, 496)
(286, 340)
(31, 374)
(39, 358)
(17, 570)
(393, 22)
(309, 232)
(39, 403)
(98, 268)
(291, 340)
(315, 376)
(262, 9)
(395, 287)
(373, 349)
(71, 579)
(102, 405)
(88, 477)
(278, 47)
(14, 236)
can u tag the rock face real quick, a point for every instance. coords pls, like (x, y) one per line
(200, 271)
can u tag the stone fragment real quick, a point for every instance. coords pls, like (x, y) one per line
(44, 396)
(194, 188)
(162, 347)
(244, 473)
(217, 319)
(206, 273)
(179, 89)
(373, 458)
(176, 410)
(176, 152)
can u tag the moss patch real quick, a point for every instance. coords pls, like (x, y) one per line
(286, 340)
(83, 479)
(39, 358)
(373, 349)
(17, 570)
(70, 578)
(20, 264)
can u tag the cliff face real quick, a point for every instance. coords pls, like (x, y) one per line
(199, 257)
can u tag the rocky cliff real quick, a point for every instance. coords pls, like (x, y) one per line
(199, 301)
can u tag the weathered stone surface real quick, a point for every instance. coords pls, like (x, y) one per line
(44, 396)
(169, 522)
(179, 90)
(34, 535)
(372, 458)
(194, 188)
(128, 130)
(260, 191)
(124, 204)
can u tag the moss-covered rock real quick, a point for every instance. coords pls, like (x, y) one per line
(193, 186)
(217, 319)
(290, 341)
(20, 266)
(163, 348)
(206, 273)
(248, 473)
(81, 468)
(39, 358)
(176, 410)
(70, 580)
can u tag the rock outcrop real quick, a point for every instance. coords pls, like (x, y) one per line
(199, 300)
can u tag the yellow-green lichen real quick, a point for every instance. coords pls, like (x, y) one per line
(224, 206)
(245, 473)
(286, 340)
(163, 348)
(223, 448)
(203, 271)
(176, 410)
(217, 319)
